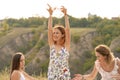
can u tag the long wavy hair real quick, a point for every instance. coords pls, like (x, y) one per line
(15, 64)
(105, 51)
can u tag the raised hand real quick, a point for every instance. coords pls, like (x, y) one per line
(63, 10)
(50, 9)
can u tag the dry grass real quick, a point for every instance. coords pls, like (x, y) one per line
(4, 75)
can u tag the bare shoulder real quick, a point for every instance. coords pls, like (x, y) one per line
(15, 75)
(16, 72)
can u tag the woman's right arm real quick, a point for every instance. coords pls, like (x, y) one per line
(90, 76)
(50, 40)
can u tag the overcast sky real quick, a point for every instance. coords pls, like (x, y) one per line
(76, 8)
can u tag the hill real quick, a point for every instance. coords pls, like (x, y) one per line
(33, 43)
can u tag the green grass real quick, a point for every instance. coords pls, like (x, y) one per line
(81, 30)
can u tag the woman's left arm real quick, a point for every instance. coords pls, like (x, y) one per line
(67, 28)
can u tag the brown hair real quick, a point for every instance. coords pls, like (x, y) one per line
(105, 51)
(15, 64)
(62, 30)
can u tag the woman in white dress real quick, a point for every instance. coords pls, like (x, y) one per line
(17, 68)
(106, 64)
(59, 42)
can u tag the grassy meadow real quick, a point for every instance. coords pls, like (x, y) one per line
(78, 31)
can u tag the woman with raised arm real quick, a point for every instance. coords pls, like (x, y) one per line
(17, 68)
(59, 42)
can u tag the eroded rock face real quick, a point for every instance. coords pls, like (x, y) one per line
(84, 44)
(7, 50)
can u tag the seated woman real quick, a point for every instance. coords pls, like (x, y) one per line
(106, 64)
(17, 68)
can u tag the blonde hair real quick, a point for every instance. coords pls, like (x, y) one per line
(105, 51)
(57, 25)
(19, 53)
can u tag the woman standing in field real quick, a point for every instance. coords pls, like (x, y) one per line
(59, 42)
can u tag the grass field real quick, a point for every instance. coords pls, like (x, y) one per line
(81, 30)
(4, 75)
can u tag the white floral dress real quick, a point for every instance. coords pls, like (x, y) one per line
(58, 66)
(107, 75)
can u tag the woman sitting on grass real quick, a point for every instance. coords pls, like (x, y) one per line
(17, 68)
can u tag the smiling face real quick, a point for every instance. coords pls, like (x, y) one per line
(103, 53)
(57, 35)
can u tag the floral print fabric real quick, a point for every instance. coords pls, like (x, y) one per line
(58, 66)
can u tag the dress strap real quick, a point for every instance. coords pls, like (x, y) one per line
(97, 64)
(116, 63)
(116, 60)
(22, 76)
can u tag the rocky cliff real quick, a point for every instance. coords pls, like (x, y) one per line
(13, 46)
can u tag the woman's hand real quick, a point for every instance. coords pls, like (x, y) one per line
(50, 10)
(78, 77)
(63, 10)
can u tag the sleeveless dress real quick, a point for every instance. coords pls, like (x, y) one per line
(58, 65)
(104, 74)
(22, 76)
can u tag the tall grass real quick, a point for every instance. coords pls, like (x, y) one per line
(4, 75)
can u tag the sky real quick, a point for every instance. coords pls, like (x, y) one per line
(75, 8)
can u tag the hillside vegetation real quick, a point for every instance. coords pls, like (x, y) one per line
(29, 36)
(13, 33)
